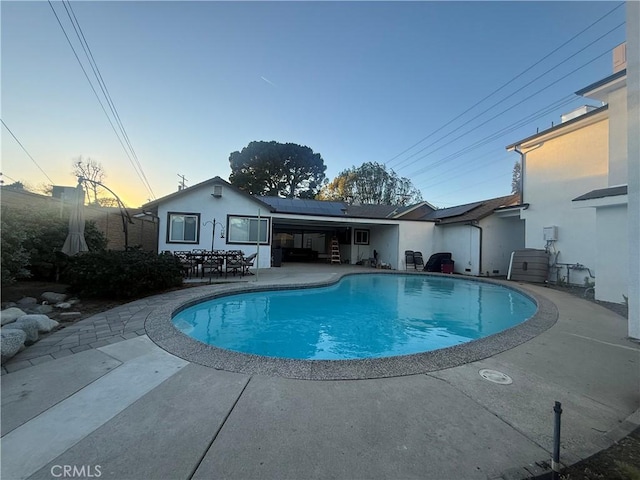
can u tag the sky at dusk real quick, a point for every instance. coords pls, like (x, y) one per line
(386, 82)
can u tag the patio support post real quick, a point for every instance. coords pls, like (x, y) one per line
(258, 249)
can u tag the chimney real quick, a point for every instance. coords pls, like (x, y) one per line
(620, 57)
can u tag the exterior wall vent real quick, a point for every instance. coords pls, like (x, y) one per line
(217, 191)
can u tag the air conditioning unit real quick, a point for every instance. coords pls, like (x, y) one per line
(217, 191)
(550, 234)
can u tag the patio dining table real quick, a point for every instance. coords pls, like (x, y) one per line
(216, 261)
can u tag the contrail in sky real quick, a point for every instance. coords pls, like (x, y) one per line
(268, 81)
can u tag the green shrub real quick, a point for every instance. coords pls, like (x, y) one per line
(32, 240)
(118, 274)
(14, 257)
(45, 240)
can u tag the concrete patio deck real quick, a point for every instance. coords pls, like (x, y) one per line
(113, 405)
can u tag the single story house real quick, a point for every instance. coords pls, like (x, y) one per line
(215, 215)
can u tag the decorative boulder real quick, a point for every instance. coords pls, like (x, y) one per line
(27, 301)
(38, 309)
(10, 315)
(45, 324)
(11, 341)
(53, 297)
(28, 326)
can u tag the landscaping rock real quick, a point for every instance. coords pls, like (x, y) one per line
(53, 297)
(28, 326)
(45, 324)
(38, 309)
(10, 315)
(6, 305)
(27, 301)
(63, 305)
(11, 341)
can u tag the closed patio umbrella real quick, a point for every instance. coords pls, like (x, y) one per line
(75, 242)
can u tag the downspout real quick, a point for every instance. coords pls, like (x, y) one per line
(522, 158)
(474, 224)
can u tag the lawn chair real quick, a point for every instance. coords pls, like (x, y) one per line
(408, 260)
(418, 261)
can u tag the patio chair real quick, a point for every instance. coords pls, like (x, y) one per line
(213, 261)
(418, 261)
(234, 263)
(186, 261)
(408, 260)
(197, 260)
(247, 263)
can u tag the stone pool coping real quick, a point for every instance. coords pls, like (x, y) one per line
(162, 332)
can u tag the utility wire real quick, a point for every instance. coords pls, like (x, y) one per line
(25, 151)
(507, 109)
(466, 187)
(103, 86)
(503, 86)
(500, 133)
(94, 92)
(5, 175)
(511, 95)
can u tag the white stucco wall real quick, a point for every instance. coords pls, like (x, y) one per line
(463, 241)
(500, 237)
(611, 265)
(557, 170)
(199, 200)
(618, 137)
(633, 155)
(416, 236)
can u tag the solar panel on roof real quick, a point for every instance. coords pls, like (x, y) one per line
(453, 211)
(304, 206)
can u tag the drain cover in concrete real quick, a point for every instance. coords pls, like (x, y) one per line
(495, 376)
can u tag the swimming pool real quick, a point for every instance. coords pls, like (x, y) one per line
(361, 317)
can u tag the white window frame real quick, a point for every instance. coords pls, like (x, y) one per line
(232, 229)
(170, 224)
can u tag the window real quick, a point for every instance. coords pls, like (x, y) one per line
(245, 230)
(361, 237)
(183, 227)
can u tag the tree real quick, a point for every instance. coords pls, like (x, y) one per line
(91, 170)
(371, 183)
(516, 178)
(277, 169)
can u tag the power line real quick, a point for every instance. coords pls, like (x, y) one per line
(97, 96)
(510, 108)
(494, 136)
(25, 151)
(503, 86)
(103, 86)
(512, 94)
(466, 187)
(5, 175)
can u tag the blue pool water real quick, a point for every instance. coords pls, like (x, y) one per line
(362, 316)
